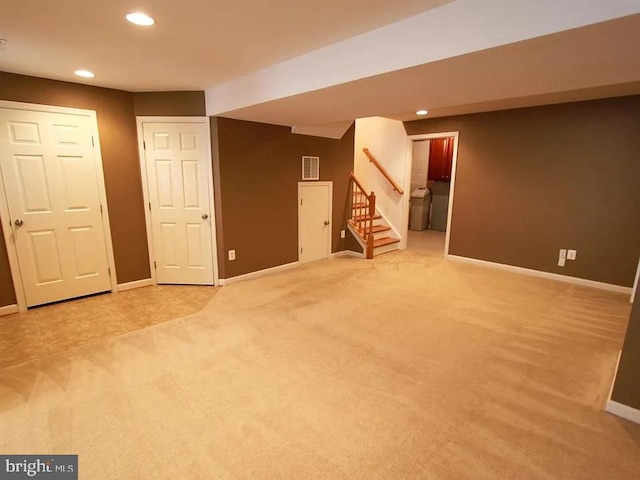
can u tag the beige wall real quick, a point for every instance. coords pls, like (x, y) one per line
(532, 181)
(118, 143)
(257, 168)
(386, 139)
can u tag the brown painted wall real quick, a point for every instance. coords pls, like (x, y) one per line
(257, 168)
(627, 387)
(117, 126)
(170, 104)
(7, 292)
(352, 244)
(531, 181)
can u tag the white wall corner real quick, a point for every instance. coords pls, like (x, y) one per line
(617, 408)
(146, 282)
(615, 374)
(623, 411)
(635, 283)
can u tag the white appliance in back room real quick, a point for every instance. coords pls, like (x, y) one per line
(419, 209)
(439, 205)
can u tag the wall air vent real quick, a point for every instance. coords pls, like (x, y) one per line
(310, 168)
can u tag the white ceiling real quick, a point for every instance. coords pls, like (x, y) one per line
(195, 44)
(596, 61)
(308, 64)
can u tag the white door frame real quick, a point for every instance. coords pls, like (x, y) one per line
(7, 228)
(635, 283)
(454, 164)
(145, 188)
(301, 185)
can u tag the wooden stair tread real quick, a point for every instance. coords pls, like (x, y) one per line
(381, 242)
(377, 229)
(366, 217)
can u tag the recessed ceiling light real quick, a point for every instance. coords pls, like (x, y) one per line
(422, 112)
(85, 73)
(140, 18)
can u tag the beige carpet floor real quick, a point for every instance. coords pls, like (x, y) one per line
(405, 367)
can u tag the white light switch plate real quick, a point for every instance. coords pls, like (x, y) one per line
(571, 254)
(232, 254)
(342, 234)
(563, 253)
(561, 261)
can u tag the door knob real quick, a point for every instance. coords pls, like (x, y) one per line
(326, 222)
(18, 223)
(205, 216)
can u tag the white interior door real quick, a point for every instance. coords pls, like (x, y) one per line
(178, 176)
(50, 178)
(314, 220)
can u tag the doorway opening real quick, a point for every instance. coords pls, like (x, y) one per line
(432, 167)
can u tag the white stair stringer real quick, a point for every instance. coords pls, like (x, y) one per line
(388, 232)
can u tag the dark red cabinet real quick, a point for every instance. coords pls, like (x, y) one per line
(440, 159)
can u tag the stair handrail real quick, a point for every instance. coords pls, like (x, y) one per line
(384, 172)
(357, 182)
(362, 212)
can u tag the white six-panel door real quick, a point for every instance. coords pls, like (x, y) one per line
(50, 179)
(314, 220)
(178, 167)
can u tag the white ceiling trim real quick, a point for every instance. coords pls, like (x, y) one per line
(457, 28)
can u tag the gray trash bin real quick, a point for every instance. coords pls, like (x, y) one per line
(419, 209)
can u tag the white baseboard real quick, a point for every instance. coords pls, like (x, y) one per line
(259, 273)
(123, 287)
(8, 310)
(347, 253)
(620, 409)
(624, 411)
(551, 276)
(615, 374)
(635, 283)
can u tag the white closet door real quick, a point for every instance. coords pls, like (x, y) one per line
(178, 168)
(50, 178)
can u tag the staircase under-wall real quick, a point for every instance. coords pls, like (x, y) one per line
(368, 225)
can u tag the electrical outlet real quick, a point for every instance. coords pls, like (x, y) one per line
(342, 234)
(232, 254)
(563, 253)
(561, 261)
(571, 254)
